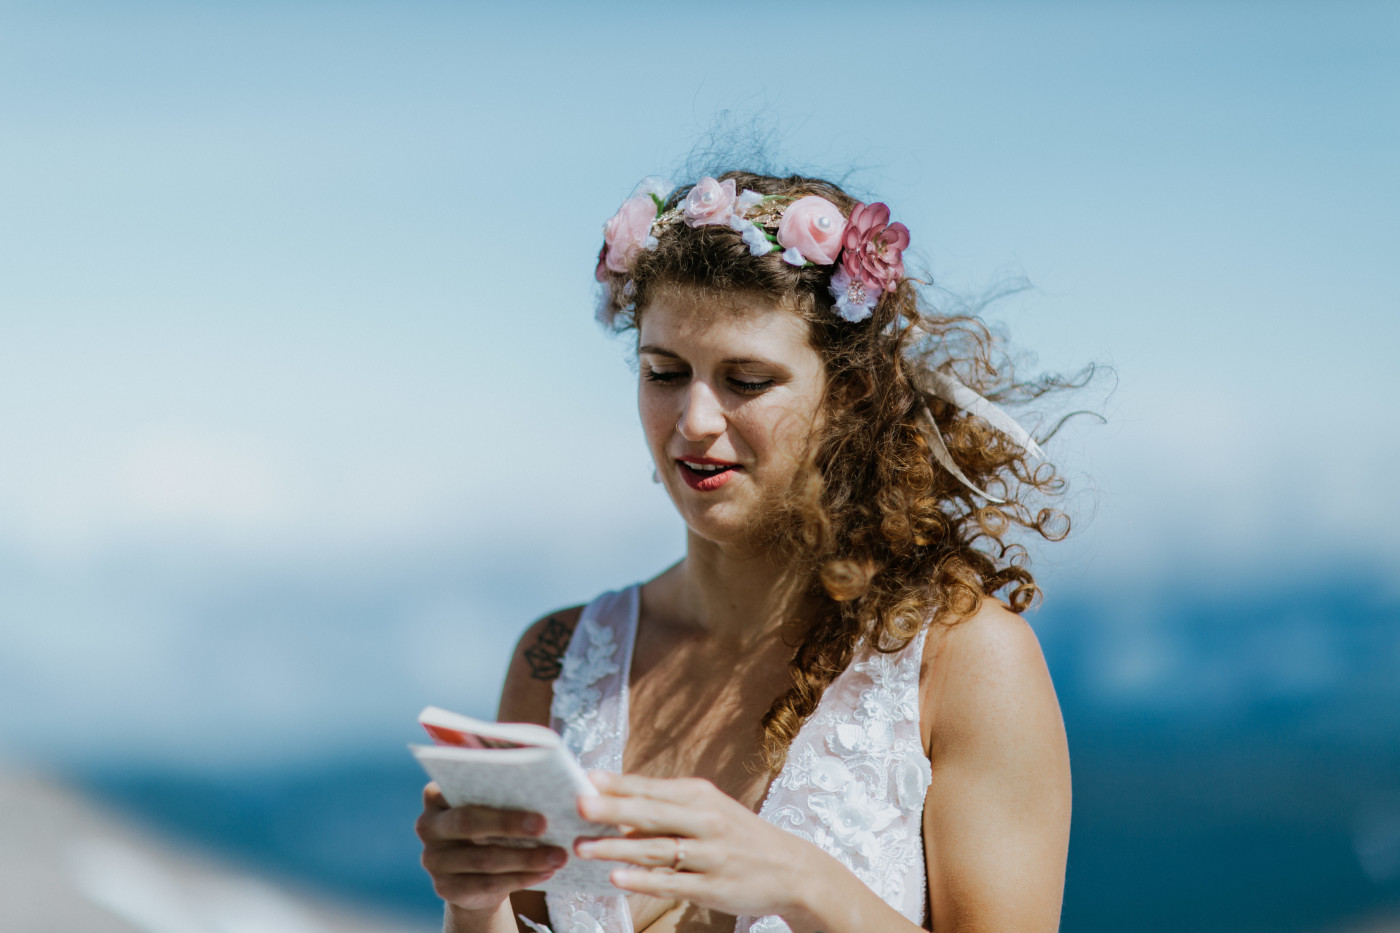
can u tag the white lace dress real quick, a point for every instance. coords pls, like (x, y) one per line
(854, 782)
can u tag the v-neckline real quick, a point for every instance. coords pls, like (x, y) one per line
(625, 701)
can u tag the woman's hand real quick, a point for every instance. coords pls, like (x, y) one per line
(467, 871)
(731, 860)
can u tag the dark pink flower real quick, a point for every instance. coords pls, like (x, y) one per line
(872, 248)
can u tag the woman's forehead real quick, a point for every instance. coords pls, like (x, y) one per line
(678, 322)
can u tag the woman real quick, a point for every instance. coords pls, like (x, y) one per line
(820, 718)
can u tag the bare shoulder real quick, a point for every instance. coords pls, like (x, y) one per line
(997, 813)
(537, 661)
(985, 677)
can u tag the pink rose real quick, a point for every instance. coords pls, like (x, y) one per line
(813, 226)
(709, 202)
(628, 231)
(874, 247)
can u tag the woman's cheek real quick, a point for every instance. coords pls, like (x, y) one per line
(652, 412)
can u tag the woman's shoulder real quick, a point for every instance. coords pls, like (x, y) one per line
(535, 665)
(993, 637)
(985, 676)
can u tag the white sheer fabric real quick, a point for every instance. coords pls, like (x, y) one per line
(854, 782)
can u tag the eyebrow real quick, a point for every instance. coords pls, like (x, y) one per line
(731, 361)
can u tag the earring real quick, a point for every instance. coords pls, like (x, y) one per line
(655, 476)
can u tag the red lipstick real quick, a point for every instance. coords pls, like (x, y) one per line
(706, 474)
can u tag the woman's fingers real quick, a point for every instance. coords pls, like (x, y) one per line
(467, 869)
(649, 852)
(675, 885)
(492, 860)
(669, 790)
(475, 891)
(475, 823)
(646, 815)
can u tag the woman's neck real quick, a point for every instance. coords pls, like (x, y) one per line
(732, 598)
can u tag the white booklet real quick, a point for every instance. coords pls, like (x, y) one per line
(518, 766)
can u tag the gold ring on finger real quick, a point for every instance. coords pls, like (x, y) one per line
(678, 863)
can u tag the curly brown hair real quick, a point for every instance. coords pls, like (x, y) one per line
(889, 541)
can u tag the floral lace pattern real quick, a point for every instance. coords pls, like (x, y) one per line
(854, 783)
(576, 703)
(590, 712)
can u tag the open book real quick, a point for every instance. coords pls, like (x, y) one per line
(517, 766)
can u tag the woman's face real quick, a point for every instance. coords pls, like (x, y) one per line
(728, 398)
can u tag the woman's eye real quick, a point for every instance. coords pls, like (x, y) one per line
(751, 386)
(665, 378)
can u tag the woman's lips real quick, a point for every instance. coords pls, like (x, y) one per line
(706, 475)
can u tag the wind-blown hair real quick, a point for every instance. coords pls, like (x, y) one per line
(888, 540)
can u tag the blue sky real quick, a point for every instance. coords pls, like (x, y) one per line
(297, 360)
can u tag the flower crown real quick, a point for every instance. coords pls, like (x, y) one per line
(867, 249)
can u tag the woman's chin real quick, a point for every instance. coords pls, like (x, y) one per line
(720, 525)
(737, 530)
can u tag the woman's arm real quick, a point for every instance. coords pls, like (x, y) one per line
(526, 697)
(997, 815)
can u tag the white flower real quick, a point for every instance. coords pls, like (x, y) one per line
(747, 201)
(829, 774)
(879, 733)
(853, 818)
(770, 924)
(569, 704)
(879, 705)
(653, 186)
(912, 776)
(757, 240)
(854, 298)
(793, 256)
(590, 666)
(849, 739)
(534, 927)
(584, 732)
(887, 706)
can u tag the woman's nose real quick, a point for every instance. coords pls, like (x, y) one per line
(702, 416)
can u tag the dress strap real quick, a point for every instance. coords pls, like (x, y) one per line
(590, 712)
(590, 694)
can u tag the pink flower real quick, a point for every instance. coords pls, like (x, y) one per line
(709, 202)
(628, 231)
(873, 247)
(813, 226)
